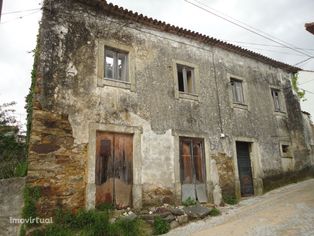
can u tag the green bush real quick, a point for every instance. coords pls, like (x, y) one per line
(214, 212)
(21, 169)
(93, 223)
(89, 223)
(161, 226)
(189, 202)
(7, 168)
(229, 199)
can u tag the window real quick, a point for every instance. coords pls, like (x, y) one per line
(185, 79)
(116, 64)
(275, 93)
(237, 91)
(285, 149)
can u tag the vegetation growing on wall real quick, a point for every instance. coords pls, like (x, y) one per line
(295, 87)
(29, 97)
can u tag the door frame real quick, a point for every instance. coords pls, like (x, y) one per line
(91, 161)
(176, 152)
(256, 166)
(203, 161)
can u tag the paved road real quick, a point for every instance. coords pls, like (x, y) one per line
(286, 211)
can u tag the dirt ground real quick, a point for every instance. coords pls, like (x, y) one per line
(285, 211)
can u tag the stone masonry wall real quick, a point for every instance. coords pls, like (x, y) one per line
(226, 173)
(56, 165)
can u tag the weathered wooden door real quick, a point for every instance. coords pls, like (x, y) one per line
(114, 169)
(244, 167)
(192, 169)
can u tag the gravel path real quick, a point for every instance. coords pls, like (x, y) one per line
(285, 211)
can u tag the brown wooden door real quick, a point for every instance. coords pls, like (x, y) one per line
(245, 169)
(114, 169)
(192, 164)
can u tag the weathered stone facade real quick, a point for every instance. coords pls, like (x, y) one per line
(73, 102)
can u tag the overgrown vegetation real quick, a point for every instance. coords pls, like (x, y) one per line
(12, 150)
(189, 202)
(31, 196)
(90, 223)
(161, 226)
(30, 95)
(230, 199)
(215, 212)
(295, 87)
(276, 181)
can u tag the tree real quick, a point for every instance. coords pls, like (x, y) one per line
(12, 152)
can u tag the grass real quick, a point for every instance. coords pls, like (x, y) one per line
(230, 199)
(215, 212)
(90, 223)
(189, 202)
(161, 226)
(31, 196)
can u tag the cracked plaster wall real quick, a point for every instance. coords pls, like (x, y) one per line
(67, 86)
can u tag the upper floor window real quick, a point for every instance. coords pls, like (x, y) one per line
(237, 91)
(116, 64)
(275, 93)
(186, 80)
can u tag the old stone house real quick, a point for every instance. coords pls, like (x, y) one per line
(133, 111)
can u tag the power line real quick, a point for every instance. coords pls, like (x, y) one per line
(268, 50)
(303, 61)
(21, 11)
(309, 81)
(20, 17)
(266, 45)
(251, 27)
(248, 28)
(307, 91)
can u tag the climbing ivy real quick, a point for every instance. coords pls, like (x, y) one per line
(29, 97)
(295, 87)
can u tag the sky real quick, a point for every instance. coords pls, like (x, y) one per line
(281, 20)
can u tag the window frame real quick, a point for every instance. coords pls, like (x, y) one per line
(115, 71)
(238, 105)
(194, 95)
(288, 153)
(129, 84)
(281, 101)
(237, 91)
(276, 99)
(186, 80)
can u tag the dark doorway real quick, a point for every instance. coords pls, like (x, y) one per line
(114, 169)
(192, 169)
(244, 167)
